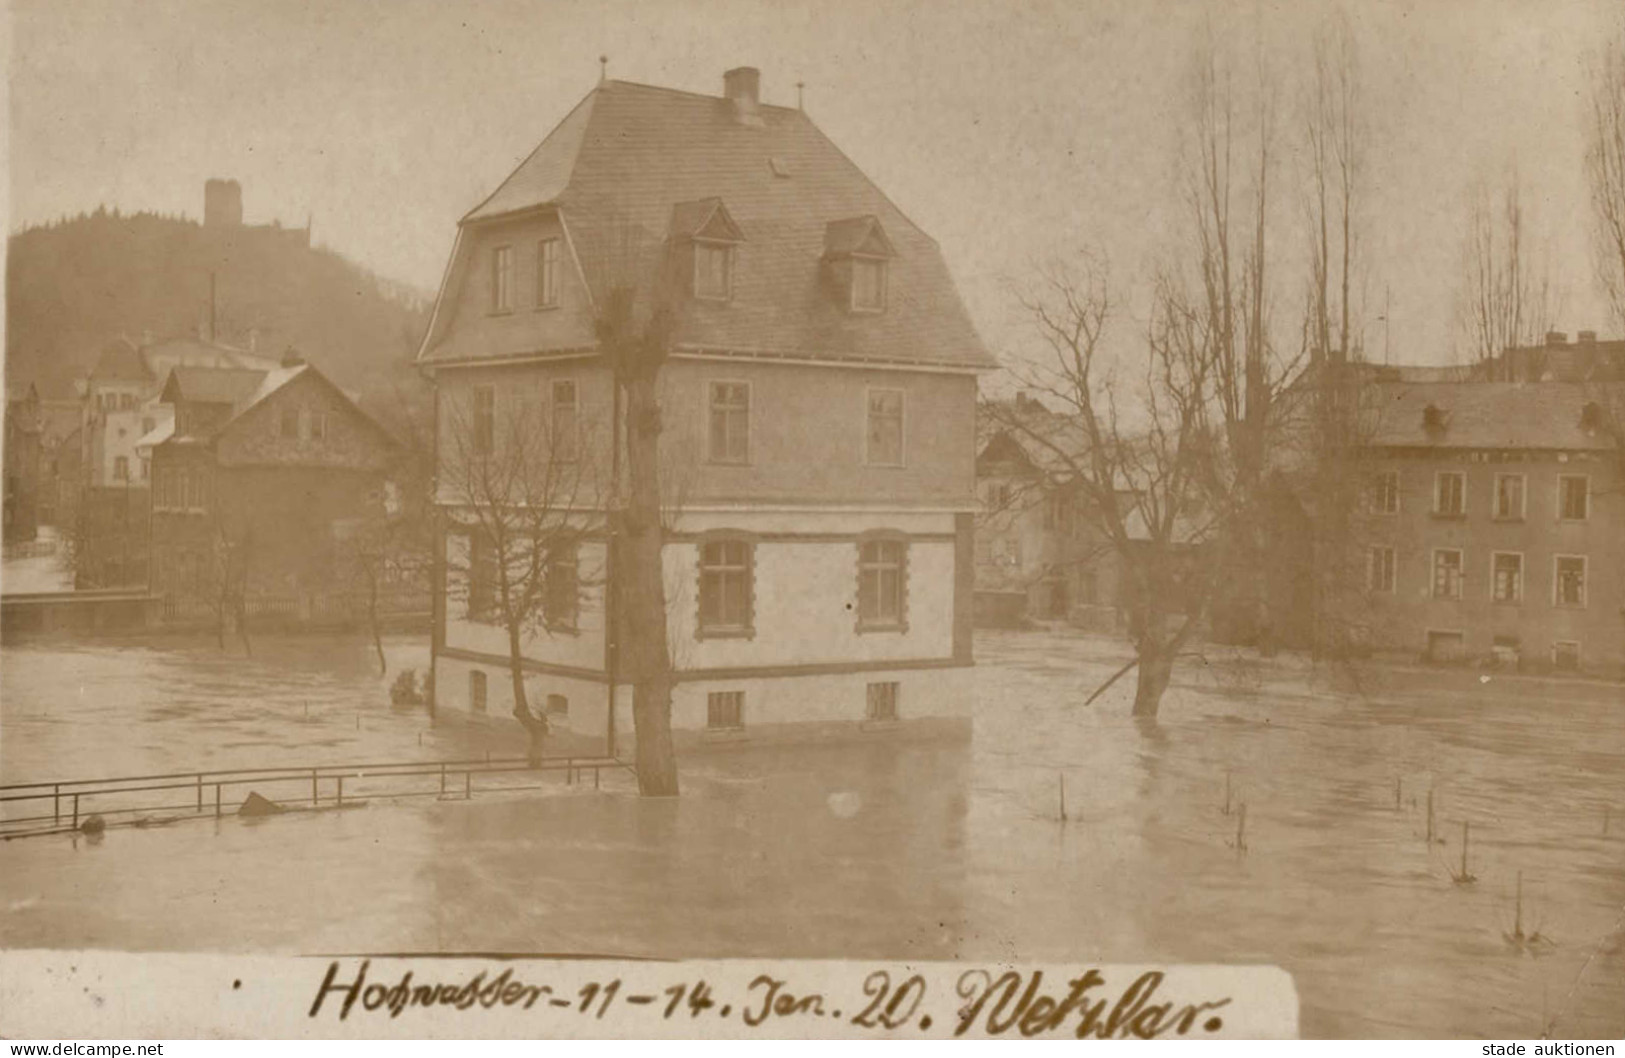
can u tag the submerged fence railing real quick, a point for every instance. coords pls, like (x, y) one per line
(145, 800)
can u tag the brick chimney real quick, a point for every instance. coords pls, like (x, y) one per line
(1585, 338)
(741, 86)
(1557, 338)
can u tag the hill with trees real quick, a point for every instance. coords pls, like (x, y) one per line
(74, 285)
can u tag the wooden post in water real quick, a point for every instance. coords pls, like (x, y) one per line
(1241, 829)
(468, 783)
(1397, 781)
(217, 800)
(76, 811)
(1062, 777)
(341, 791)
(1430, 816)
(200, 792)
(1464, 826)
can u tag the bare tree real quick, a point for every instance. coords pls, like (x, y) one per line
(1506, 298)
(634, 326)
(524, 494)
(1172, 469)
(1333, 135)
(1605, 170)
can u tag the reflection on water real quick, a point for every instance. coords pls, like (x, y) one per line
(889, 849)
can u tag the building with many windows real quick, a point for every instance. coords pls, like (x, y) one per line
(1493, 526)
(818, 420)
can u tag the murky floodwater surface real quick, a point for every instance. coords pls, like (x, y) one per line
(1273, 815)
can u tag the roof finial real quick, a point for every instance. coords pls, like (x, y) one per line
(603, 68)
(799, 86)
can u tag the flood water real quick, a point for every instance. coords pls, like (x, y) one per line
(888, 848)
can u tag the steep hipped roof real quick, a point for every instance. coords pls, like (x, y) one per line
(120, 362)
(1505, 415)
(628, 154)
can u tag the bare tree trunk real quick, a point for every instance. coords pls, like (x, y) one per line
(644, 593)
(1155, 670)
(372, 621)
(536, 729)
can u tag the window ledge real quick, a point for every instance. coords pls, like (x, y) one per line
(727, 734)
(713, 462)
(1446, 516)
(725, 633)
(500, 312)
(1508, 518)
(869, 629)
(879, 725)
(547, 308)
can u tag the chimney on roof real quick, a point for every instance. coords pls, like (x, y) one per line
(1585, 338)
(1557, 338)
(741, 86)
(291, 357)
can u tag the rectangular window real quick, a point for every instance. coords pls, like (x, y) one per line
(868, 284)
(1446, 574)
(482, 578)
(476, 691)
(1381, 574)
(290, 422)
(1573, 497)
(146, 468)
(484, 439)
(713, 271)
(502, 279)
(726, 594)
(1509, 496)
(1450, 493)
(730, 422)
(882, 702)
(1507, 577)
(1570, 580)
(881, 568)
(121, 468)
(725, 710)
(885, 427)
(566, 430)
(547, 273)
(318, 426)
(1385, 491)
(561, 599)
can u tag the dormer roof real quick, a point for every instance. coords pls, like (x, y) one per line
(857, 236)
(706, 219)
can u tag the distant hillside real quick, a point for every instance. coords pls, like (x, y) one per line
(74, 285)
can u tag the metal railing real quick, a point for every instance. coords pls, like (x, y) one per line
(323, 785)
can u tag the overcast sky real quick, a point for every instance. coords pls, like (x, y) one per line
(1013, 131)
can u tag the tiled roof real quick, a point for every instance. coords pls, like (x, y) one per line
(616, 167)
(1505, 415)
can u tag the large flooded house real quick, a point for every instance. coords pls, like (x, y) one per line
(818, 420)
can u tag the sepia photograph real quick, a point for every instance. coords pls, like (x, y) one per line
(718, 519)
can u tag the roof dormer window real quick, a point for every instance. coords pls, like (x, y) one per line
(858, 255)
(712, 236)
(868, 284)
(713, 271)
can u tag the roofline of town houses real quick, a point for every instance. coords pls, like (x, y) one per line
(694, 352)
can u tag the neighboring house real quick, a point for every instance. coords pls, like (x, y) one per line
(21, 503)
(818, 413)
(121, 402)
(259, 477)
(1493, 526)
(1039, 555)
